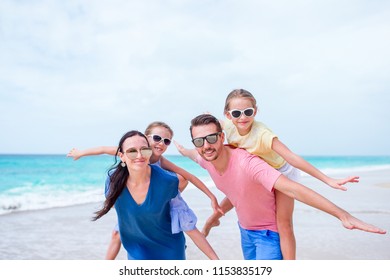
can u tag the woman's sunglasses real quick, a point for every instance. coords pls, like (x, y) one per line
(235, 113)
(157, 138)
(211, 139)
(132, 153)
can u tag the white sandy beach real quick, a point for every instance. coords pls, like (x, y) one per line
(69, 234)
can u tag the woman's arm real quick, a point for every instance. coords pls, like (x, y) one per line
(166, 164)
(76, 153)
(311, 198)
(305, 166)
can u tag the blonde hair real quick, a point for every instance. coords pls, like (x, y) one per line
(152, 125)
(239, 93)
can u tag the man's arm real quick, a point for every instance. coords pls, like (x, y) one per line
(311, 198)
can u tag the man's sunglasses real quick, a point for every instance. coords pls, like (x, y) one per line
(211, 139)
(132, 153)
(235, 113)
(157, 138)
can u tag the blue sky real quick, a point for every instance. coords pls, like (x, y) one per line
(82, 73)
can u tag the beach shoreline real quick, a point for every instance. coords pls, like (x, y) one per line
(67, 233)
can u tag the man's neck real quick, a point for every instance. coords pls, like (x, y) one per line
(222, 162)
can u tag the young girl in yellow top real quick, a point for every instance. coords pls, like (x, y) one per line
(243, 131)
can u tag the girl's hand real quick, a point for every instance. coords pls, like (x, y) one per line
(192, 154)
(180, 148)
(74, 153)
(216, 207)
(339, 184)
(210, 223)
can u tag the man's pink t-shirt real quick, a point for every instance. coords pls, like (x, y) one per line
(248, 183)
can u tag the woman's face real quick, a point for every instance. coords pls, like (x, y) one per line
(136, 152)
(159, 147)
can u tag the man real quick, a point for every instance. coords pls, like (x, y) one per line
(249, 185)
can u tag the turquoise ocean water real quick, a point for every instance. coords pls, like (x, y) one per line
(31, 182)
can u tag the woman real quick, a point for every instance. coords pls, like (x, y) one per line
(182, 217)
(141, 194)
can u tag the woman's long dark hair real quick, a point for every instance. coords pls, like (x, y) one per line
(118, 177)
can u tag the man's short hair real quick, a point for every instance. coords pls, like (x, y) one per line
(205, 119)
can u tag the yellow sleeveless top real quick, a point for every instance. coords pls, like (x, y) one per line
(257, 142)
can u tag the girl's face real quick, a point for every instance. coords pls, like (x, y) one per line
(136, 152)
(243, 123)
(159, 146)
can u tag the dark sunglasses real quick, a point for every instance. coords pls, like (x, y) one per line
(235, 113)
(157, 138)
(211, 139)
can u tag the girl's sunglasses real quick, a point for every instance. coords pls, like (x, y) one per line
(132, 153)
(211, 139)
(157, 138)
(235, 113)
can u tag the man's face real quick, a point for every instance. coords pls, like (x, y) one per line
(206, 134)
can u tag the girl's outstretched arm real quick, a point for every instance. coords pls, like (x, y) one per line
(166, 164)
(76, 153)
(306, 167)
(191, 154)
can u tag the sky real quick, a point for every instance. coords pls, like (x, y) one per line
(82, 73)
